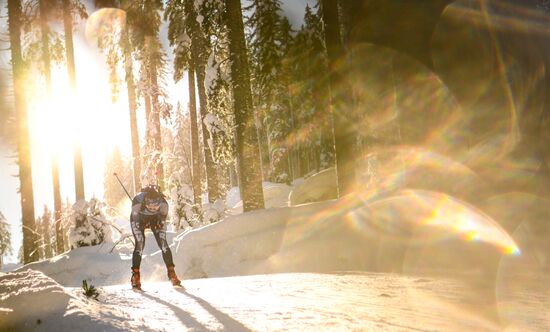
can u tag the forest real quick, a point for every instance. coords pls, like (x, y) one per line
(448, 96)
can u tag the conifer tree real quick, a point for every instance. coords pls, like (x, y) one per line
(309, 65)
(181, 42)
(344, 140)
(184, 211)
(267, 46)
(185, 32)
(44, 224)
(220, 121)
(70, 8)
(250, 177)
(45, 9)
(5, 238)
(23, 141)
(144, 18)
(199, 54)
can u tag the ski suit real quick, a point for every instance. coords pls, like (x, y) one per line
(140, 219)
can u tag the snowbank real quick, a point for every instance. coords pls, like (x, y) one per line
(318, 187)
(275, 195)
(31, 301)
(412, 231)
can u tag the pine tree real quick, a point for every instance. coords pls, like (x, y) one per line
(344, 141)
(199, 54)
(5, 238)
(66, 220)
(220, 120)
(137, 38)
(23, 142)
(312, 124)
(89, 225)
(181, 42)
(268, 41)
(143, 18)
(45, 9)
(191, 51)
(70, 8)
(319, 88)
(184, 211)
(250, 177)
(44, 224)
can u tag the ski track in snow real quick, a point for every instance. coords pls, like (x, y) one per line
(289, 302)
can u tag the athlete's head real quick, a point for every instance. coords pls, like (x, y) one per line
(153, 198)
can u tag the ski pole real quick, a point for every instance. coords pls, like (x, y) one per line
(116, 175)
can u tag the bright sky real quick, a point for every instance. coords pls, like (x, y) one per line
(90, 119)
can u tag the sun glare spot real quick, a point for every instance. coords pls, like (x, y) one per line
(67, 119)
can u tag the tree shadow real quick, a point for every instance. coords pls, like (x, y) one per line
(185, 317)
(227, 321)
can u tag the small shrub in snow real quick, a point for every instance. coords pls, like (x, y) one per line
(186, 214)
(183, 211)
(89, 291)
(89, 225)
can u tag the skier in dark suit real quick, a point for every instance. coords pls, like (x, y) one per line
(149, 210)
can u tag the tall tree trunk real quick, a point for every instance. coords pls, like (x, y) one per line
(196, 175)
(78, 172)
(30, 254)
(148, 139)
(48, 76)
(71, 69)
(207, 140)
(155, 116)
(132, 107)
(343, 139)
(250, 177)
(198, 64)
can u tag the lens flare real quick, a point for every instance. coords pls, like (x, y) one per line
(495, 67)
(422, 217)
(402, 167)
(398, 100)
(104, 23)
(521, 282)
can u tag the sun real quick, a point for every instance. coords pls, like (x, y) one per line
(67, 119)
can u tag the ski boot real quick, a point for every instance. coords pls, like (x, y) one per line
(135, 280)
(172, 276)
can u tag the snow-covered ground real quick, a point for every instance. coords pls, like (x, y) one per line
(436, 263)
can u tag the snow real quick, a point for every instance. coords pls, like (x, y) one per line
(411, 260)
(275, 195)
(320, 186)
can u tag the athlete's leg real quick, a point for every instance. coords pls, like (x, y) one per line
(139, 238)
(160, 237)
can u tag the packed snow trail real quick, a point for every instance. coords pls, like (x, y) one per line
(277, 302)
(347, 301)
(307, 302)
